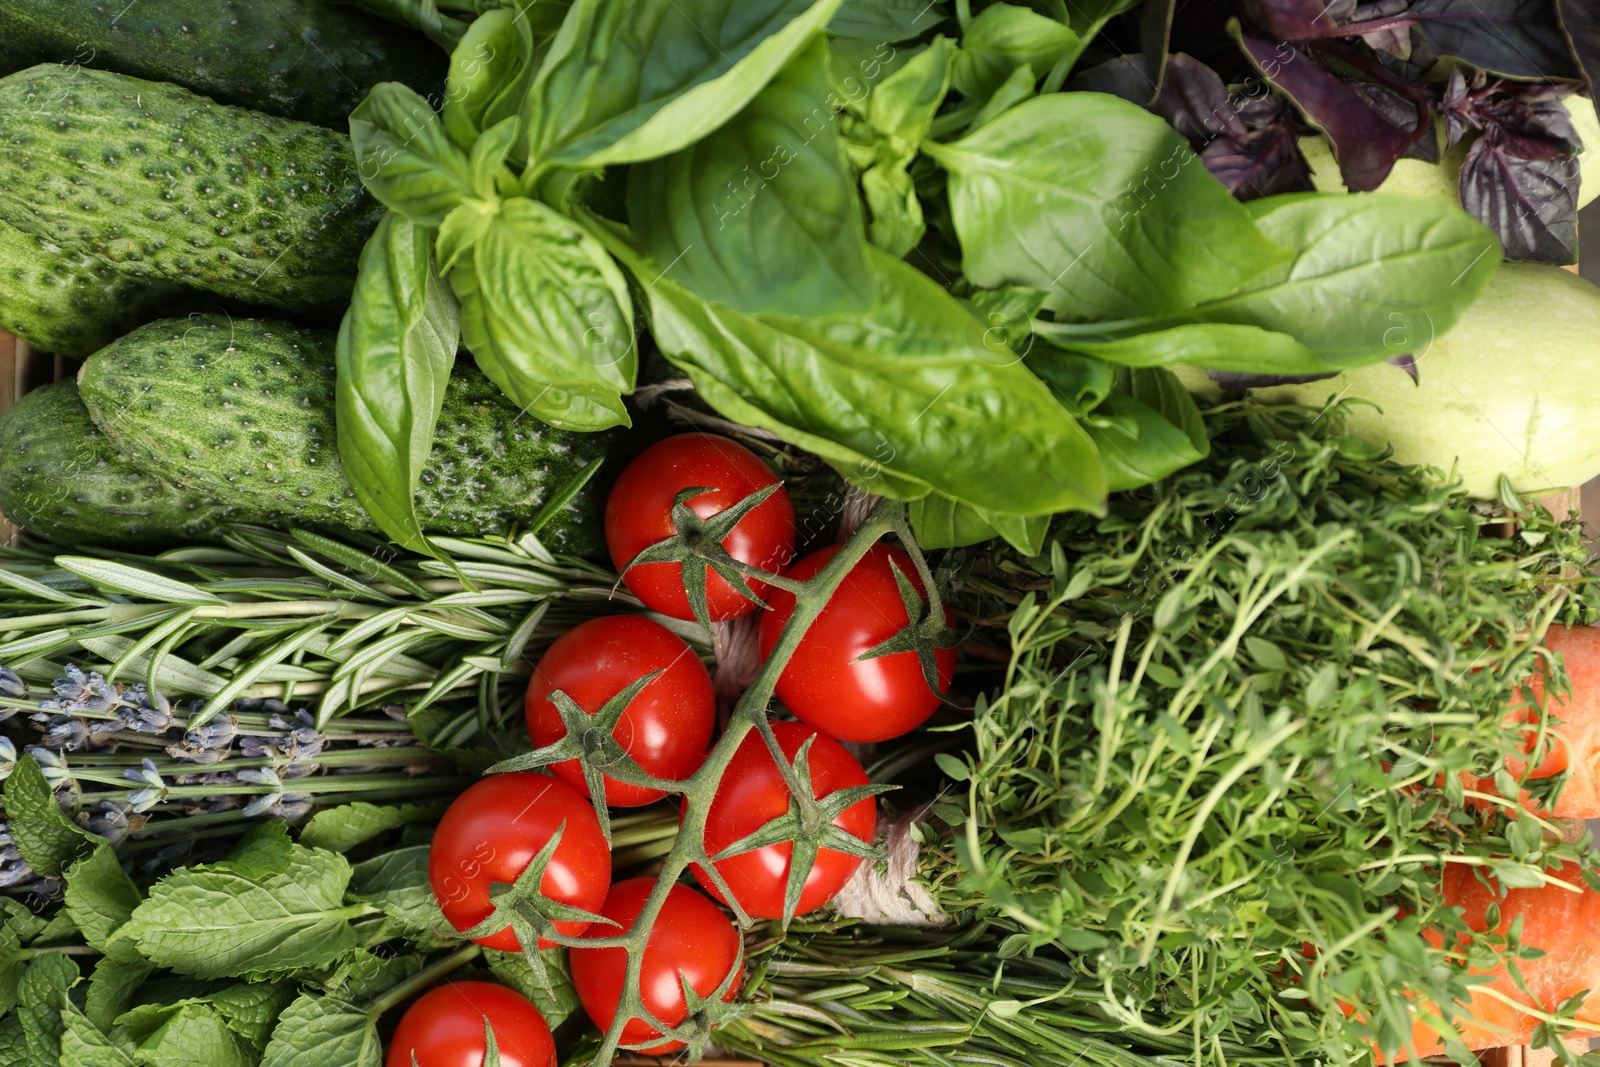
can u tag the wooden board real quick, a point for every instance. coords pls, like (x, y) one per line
(14, 366)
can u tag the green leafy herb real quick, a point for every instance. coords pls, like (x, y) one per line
(396, 347)
(231, 920)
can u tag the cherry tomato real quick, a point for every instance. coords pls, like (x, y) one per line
(444, 1028)
(666, 728)
(491, 832)
(639, 514)
(691, 938)
(752, 793)
(824, 684)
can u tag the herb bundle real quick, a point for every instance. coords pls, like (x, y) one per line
(1225, 769)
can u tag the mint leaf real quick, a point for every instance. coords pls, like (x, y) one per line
(100, 899)
(326, 1032)
(555, 1003)
(196, 1036)
(13, 1048)
(48, 840)
(111, 989)
(264, 851)
(251, 1009)
(343, 828)
(234, 919)
(83, 1045)
(368, 977)
(41, 996)
(398, 883)
(17, 917)
(12, 964)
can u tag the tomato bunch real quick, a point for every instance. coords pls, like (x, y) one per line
(620, 707)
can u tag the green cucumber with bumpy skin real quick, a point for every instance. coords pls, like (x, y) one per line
(62, 479)
(244, 410)
(172, 187)
(311, 60)
(70, 303)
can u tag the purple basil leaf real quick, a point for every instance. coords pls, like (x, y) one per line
(1580, 21)
(1196, 102)
(1530, 204)
(1514, 38)
(1363, 141)
(1155, 40)
(1296, 20)
(1266, 163)
(1231, 380)
(1408, 363)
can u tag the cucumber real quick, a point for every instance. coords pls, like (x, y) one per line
(299, 59)
(169, 186)
(69, 303)
(61, 478)
(244, 410)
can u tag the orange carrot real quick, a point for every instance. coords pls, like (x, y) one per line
(1575, 738)
(1566, 925)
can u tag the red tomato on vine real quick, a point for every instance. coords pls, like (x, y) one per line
(639, 514)
(826, 683)
(665, 728)
(691, 941)
(752, 793)
(491, 832)
(445, 1028)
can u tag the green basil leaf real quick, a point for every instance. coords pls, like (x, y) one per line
(394, 354)
(195, 1036)
(1152, 429)
(903, 106)
(897, 417)
(940, 522)
(897, 223)
(48, 840)
(1087, 16)
(423, 15)
(217, 921)
(772, 178)
(1022, 84)
(1102, 204)
(1374, 276)
(491, 71)
(326, 1032)
(1004, 37)
(1218, 346)
(83, 1045)
(101, 897)
(631, 80)
(404, 157)
(548, 315)
(856, 67)
(886, 20)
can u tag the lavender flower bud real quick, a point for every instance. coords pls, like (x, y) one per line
(142, 800)
(11, 685)
(54, 767)
(292, 806)
(8, 758)
(147, 774)
(111, 823)
(13, 870)
(261, 804)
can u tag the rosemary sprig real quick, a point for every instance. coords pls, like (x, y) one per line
(294, 616)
